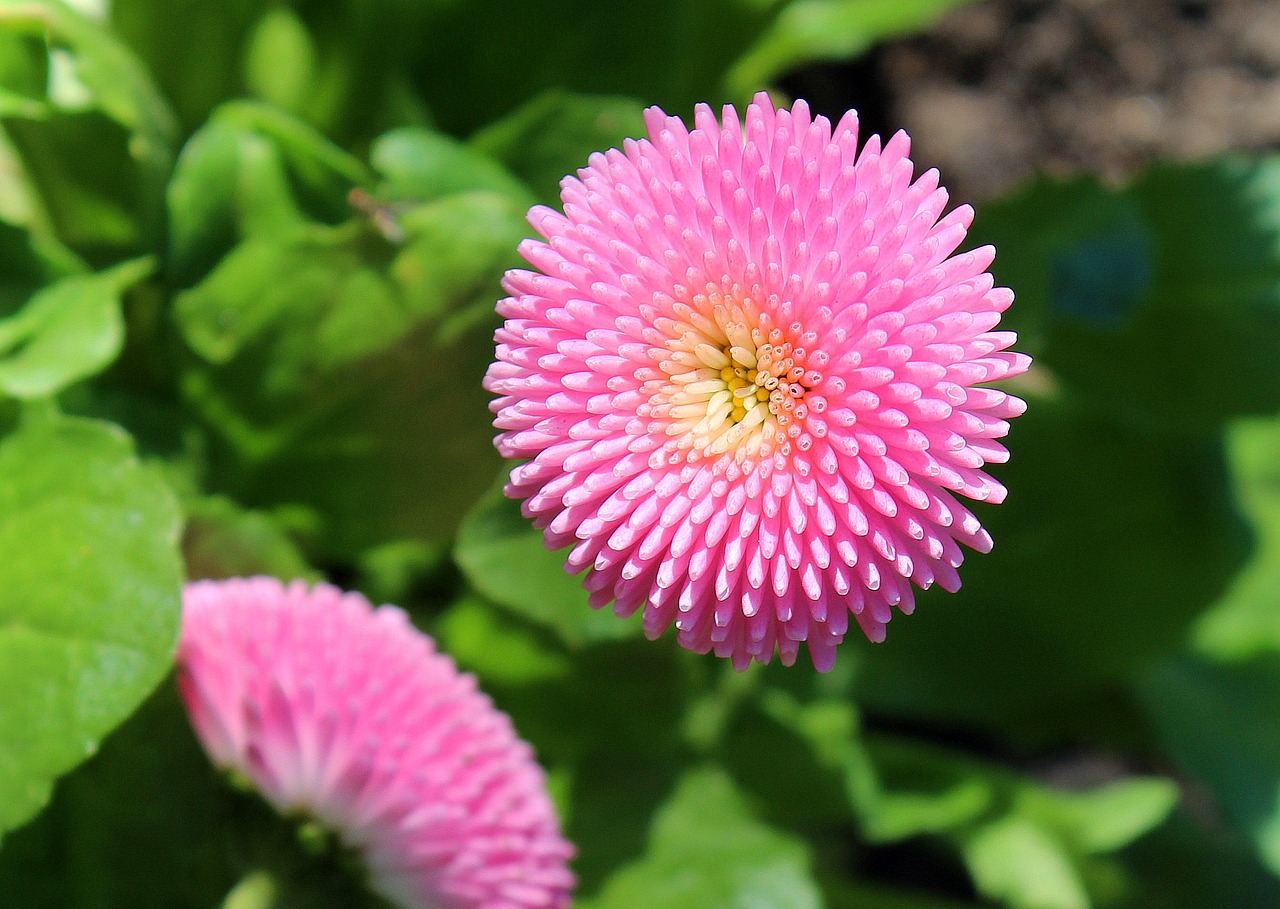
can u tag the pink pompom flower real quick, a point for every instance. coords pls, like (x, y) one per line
(346, 714)
(748, 379)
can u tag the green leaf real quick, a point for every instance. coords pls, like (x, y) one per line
(1192, 861)
(223, 540)
(803, 761)
(1120, 292)
(1017, 862)
(669, 52)
(193, 50)
(1245, 621)
(250, 171)
(497, 651)
(503, 557)
(1218, 723)
(353, 389)
(553, 135)
(418, 165)
(149, 824)
(1112, 542)
(808, 30)
(280, 61)
(97, 153)
(1025, 843)
(143, 823)
(706, 851)
(90, 568)
(27, 263)
(69, 330)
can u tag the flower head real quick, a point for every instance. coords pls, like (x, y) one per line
(348, 715)
(748, 375)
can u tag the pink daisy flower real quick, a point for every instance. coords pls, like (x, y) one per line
(747, 377)
(347, 714)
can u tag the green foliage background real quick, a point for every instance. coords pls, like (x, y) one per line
(248, 260)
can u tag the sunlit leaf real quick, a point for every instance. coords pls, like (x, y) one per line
(69, 330)
(809, 30)
(90, 570)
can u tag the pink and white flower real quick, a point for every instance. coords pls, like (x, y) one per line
(346, 714)
(748, 381)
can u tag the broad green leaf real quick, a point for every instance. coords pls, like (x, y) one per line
(504, 558)
(1112, 542)
(69, 330)
(352, 389)
(143, 823)
(90, 571)
(1120, 292)
(707, 851)
(553, 135)
(147, 823)
(808, 30)
(1218, 722)
(669, 52)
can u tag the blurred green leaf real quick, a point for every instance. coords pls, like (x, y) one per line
(1026, 844)
(1193, 861)
(418, 165)
(553, 135)
(27, 262)
(69, 330)
(90, 569)
(804, 762)
(504, 558)
(140, 824)
(804, 31)
(478, 638)
(1112, 542)
(668, 52)
(1119, 292)
(24, 73)
(96, 155)
(1219, 723)
(148, 823)
(251, 170)
(707, 850)
(280, 59)
(193, 49)
(223, 540)
(353, 388)
(1019, 863)
(1245, 621)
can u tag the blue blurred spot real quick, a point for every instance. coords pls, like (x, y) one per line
(1103, 279)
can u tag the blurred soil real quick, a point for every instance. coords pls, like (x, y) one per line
(1001, 89)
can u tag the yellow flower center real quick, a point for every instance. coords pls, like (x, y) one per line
(733, 381)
